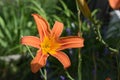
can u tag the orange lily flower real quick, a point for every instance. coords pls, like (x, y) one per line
(50, 43)
(115, 4)
(108, 78)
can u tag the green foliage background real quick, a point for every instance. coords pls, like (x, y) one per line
(98, 62)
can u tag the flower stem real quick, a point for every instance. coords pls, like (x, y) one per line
(30, 51)
(80, 34)
(79, 66)
(42, 74)
(100, 38)
(68, 75)
(45, 74)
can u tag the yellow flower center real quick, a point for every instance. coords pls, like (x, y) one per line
(49, 45)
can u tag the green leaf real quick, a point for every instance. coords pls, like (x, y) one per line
(5, 29)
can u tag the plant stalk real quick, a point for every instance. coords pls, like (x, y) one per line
(80, 34)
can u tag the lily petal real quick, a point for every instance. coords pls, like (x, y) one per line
(38, 62)
(57, 29)
(31, 41)
(63, 58)
(71, 42)
(42, 26)
(115, 4)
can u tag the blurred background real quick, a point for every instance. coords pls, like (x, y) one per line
(98, 62)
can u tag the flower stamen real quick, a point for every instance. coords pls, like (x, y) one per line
(49, 45)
